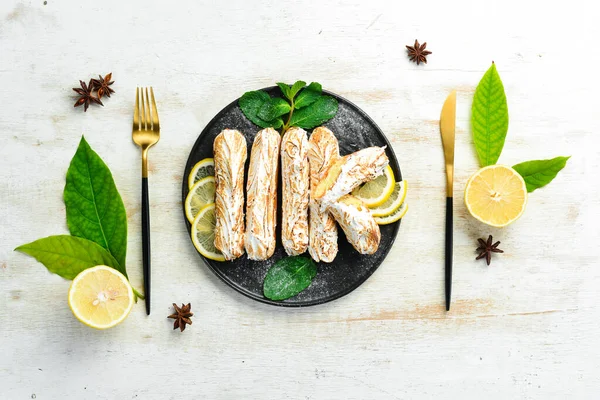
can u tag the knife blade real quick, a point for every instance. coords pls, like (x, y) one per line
(447, 130)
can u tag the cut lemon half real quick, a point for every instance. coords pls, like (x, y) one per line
(393, 202)
(201, 170)
(100, 297)
(201, 194)
(393, 217)
(496, 195)
(203, 233)
(377, 191)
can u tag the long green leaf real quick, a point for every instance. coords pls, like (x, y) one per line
(489, 117)
(538, 173)
(95, 210)
(67, 256)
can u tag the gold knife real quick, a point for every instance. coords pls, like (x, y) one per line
(447, 128)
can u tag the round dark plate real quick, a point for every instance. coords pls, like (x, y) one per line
(355, 130)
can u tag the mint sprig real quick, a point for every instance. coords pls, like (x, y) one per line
(302, 106)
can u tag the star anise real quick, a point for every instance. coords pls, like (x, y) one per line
(486, 249)
(102, 85)
(86, 96)
(182, 316)
(417, 53)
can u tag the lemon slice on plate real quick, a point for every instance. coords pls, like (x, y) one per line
(201, 170)
(377, 191)
(496, 195)
(203, 233)
(393, 202)
(100, 297)
(393, 217)
(201, 194)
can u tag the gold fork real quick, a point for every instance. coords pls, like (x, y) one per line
(145, 133)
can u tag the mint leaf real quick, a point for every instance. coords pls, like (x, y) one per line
(296, 88)
(251, 102)
(309, 95)
(273, 108)
(489, 117)
(276, 123)
(94, 207)
(315, 114)
(288, 277)
(538, 173)
(285, 89)
(67, 256)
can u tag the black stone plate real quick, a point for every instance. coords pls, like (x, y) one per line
(355, 130)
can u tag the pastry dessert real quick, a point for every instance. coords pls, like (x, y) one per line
(230, 156)
(261, 195)
(323, 151)
(294, 191)
(349, 172)
(357, 223)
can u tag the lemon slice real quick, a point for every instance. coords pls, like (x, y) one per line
(377, 191)
(496, 195)
(201, 170)
(393, 203)
(203, 233)
(100, 297)
(201, 194)
(393, 217)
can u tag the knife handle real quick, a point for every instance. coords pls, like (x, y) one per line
(146, 242)
(448, 271)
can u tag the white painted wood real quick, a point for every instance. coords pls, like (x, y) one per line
(525, 327)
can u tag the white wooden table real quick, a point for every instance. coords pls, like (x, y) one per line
(528, 326)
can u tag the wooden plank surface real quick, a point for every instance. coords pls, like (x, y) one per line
(525, 327)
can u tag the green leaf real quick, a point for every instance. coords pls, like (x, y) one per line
(277, 123)
(251, 102)
(489, 117)
(316, 114)
(309, 95)
(538, 173)
(274, 108)
(288, 277)
(67, 256)
(285, 89)
(95, 210)
(296, 88)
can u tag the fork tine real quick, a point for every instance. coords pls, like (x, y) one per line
(143, 111)
(155, 122)
(148, 120)
(136, 110)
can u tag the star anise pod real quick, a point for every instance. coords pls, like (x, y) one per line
(417, 53)
(486, 249)
(182, 316)
(102, 85)
(86, 96)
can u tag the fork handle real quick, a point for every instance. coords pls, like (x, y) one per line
(146, 241)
